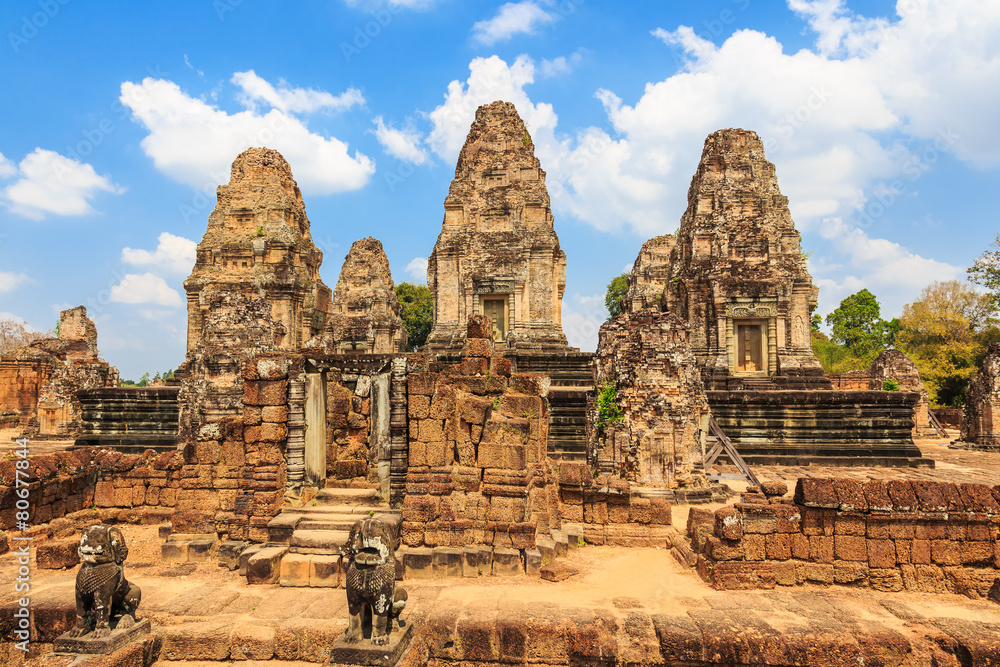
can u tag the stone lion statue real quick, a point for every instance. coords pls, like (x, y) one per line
(101, 588)
(371, 580)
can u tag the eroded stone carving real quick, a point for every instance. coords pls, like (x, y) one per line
(371, 580)
(102, 591)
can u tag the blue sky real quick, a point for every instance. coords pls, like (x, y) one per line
(118, 123)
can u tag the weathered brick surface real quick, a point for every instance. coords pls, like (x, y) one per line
(889, 536)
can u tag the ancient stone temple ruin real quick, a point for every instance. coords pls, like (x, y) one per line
(650, 273)
(38, 382)
(738, 275)
(364, 313)
(896, 366)
(981, 413)
(498, 253)
(646, 359)
(255, 286)
(258, 245)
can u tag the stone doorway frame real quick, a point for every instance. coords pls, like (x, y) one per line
(498, 335)
(748, 311)
(736, 358)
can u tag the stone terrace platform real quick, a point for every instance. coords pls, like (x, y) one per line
(637, 605)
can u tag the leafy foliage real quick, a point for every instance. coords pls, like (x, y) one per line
(417, 312)
(947, 332)
(985, 271)
(858, 325)
(608, 411)
(614, 298)
(835, 358)
(890, 385)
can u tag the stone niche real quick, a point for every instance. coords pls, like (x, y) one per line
(39, 382)
(364, 313)
(736, 271)
(498, 254)
(646, 357)
(981, 414)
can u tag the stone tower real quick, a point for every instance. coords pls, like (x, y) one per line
(738, 275)
(364, 314)
(650, 273)
(498, 253)
(258, 245)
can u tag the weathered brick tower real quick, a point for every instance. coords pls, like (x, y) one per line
(498, 253)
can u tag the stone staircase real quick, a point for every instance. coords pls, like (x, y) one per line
(572, 384)
(566, 369)
(304, 543)
(568, 423)
(130, 419)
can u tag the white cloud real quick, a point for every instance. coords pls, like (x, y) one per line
(145, 288)
(401, 144)
(9, 280)
(174, 254)
(195, 142)
(582, 317)
(51, 183)
(7, 167)
(293, 100)
(417, 269)
(513, 18)
(489, 79)
(885, 267)
(560, 65)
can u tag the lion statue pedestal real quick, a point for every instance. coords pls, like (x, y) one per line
(370, 567)
(105, 600)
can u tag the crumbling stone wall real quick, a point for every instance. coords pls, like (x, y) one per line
(478, 473)
(852, 381)
(609, 511)
(477, 470)
(981, 413)
(38, 382)
(930, 537)
(114, 487)
(896, 365)
(738, 261)
(650, 273)
(364, 313)
(646, 357)
(497, 243)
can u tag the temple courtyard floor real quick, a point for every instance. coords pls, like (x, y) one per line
(624, 606)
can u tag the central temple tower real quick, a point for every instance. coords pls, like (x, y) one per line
(498, 253)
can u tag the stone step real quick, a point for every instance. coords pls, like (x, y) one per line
(318, 541)
(350, 496)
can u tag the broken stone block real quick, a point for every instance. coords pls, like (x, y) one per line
(57, 554)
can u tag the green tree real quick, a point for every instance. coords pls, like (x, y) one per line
(858, 325)
(614, 298)
(417, 312)
(985, 271)
(816, 322)
(946, 332)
